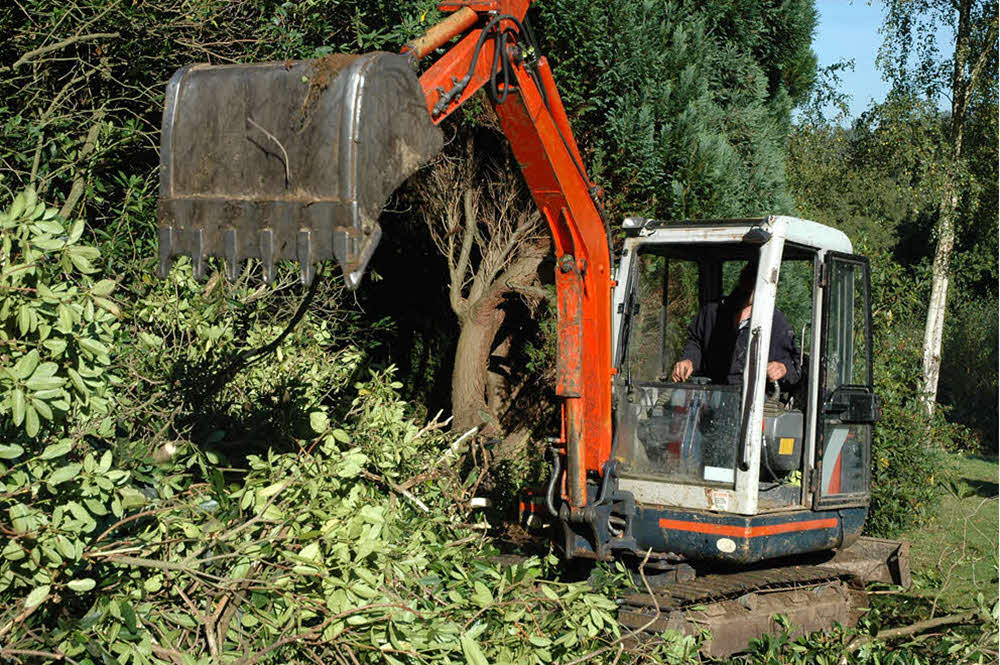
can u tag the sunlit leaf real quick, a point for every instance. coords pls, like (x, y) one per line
(64, 473)
(10, 450)
(56, 450)
(31, 423)
(82, 584)
(36, 597)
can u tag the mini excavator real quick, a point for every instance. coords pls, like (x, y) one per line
(747, 499)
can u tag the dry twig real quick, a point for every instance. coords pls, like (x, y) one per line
(69, 41)
(903, 631)
(288, 173)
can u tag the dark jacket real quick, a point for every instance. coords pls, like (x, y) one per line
(717, 347)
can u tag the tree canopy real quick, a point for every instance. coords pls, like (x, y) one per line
(683, 107)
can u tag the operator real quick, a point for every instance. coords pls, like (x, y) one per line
(719, 336)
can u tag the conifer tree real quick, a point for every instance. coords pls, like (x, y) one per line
(683, 107)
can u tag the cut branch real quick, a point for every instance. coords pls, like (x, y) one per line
(76, 191)
(921, 626)
(56, 46)
(912, 629)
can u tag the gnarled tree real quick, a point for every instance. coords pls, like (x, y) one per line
(489, 231)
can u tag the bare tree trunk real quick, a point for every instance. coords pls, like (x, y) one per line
(934, 327)
(497, 388)
(471, 402)
(491, 236)
(468, 380)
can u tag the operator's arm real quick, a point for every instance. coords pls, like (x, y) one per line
(784, 350)
(698, 333)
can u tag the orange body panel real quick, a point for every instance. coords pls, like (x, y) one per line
(747, 531)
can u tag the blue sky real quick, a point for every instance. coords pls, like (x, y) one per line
(849, 30)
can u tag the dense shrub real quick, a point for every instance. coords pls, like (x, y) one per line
(906, 451)
(83, 85)
(969, 372)
(296, 512)
(682, 108)
(56, 323)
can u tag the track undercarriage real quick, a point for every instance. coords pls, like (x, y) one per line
(739, 607)
(736, 607)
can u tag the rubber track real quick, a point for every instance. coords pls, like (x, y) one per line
(714, 588)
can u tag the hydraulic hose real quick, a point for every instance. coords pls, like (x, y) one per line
(501, 66)
(550, 492)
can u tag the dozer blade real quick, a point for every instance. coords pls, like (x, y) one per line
(875, 560)
(290, 160)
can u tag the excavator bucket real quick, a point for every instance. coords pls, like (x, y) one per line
(288, 160)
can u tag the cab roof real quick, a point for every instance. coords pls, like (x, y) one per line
(792, 229)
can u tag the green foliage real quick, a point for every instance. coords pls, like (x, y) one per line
(103, 67)
(56, 501)
(196, 372)
(56, 322)
(875, 181)
(306, 552)
(879, 182)
(906, 450)
(969, 372)
(918, 51)
(683, 107)
(311, 546)
(314, 549)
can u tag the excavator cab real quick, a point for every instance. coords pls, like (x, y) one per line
(743, 482)
(731, 465)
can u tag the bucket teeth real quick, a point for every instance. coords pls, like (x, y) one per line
(304, 253)
(266, 240)
(198, 253)
(343, 248)
(166, 249)
(230, 249)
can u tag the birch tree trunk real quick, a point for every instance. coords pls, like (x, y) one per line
(934, 326)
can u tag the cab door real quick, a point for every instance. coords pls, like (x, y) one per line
(848, 407)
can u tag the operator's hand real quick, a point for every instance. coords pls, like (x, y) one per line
(682, 371)
(776, 370)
